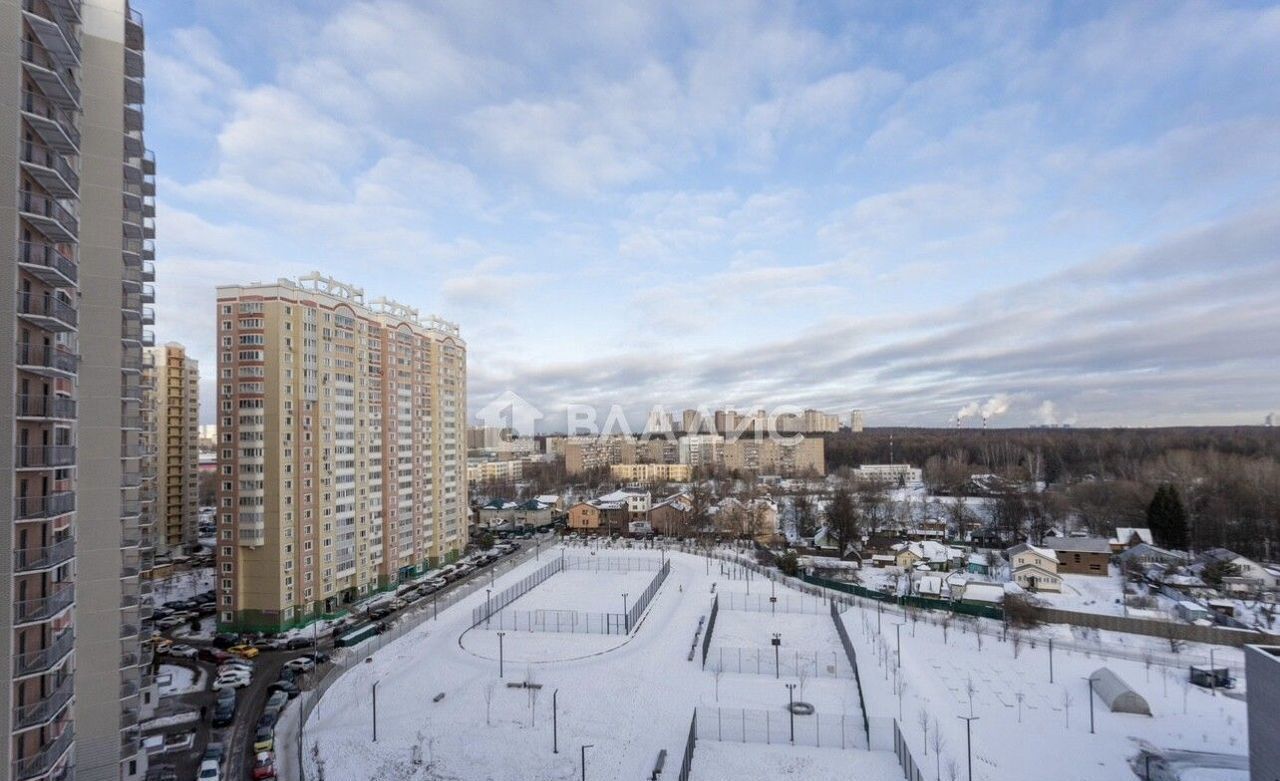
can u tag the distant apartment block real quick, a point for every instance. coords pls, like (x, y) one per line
(173, 427)
(857, 421)
(700, 450)
(889, 473)
(341, 448)
(651, 473)
(767, 455)
(584, 454)
(480, 472)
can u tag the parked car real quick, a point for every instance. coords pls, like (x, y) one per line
(169, 622)
(182, 651)
(247, 651)
(214, 751)
(288, 687)
(264, 765)
(319, 657)
(214, 655)
(302, 664)
(276, 702)
(224, 714)
(225, 640)
(232, 679)
(268, 644)
(264, 739)
(209, 771)
(267, 719)
(296, 643)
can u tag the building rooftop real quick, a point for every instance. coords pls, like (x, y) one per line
(1078, 544)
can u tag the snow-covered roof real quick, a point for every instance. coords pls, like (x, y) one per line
(1022, 547)
(1079, 544)
(1125, 535)
(547, 498)
(983, 592)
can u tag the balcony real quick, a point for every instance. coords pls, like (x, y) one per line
(43, 608)
(133, 124)
(148, 271)
(56, 127)
(148, 315)
(46, 708)
(47, 311)
(148, 337)
(46, 360)
(38, 661)
(35, 508)
(135, 66)
(47, 407)
(44, 456)
(57, 85)
(48, 167)
(48, 557)
(134, 91)
(148, 294)
(56, 31)
(46, 759)
(46, 263)
(49, 217)
(134, 36)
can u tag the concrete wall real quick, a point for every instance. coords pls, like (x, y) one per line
(1262, 668)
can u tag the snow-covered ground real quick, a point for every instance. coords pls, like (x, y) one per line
(175, 679)
(629, 696)
(183, 585)
(584, 591)
(626, 696)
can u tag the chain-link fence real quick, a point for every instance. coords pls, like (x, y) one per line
(769, 603)
(505, 597)
(780, 727)
(560, 621)
(612, 564)
(711, 627)
(780, 661)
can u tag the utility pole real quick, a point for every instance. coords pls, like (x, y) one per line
(375, 711)
(555, 734)
(968, 740)
(488, 608)
(898, 631)
(584, 759)
(791, 688)
(1050, 661)
(500, 636)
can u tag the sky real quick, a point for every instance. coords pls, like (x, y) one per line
(1068, 212)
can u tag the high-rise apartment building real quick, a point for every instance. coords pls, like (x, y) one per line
(857, 420)
(172, 418)
(78, 216)
(341, 448)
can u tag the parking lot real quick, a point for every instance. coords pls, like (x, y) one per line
(184, 721)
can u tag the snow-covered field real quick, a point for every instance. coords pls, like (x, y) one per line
(585, 591)
(629, 696)
(626, 696)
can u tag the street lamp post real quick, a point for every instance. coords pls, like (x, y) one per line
(777, 646)
(488, 608)
(584, 759)
(626, 617)
(898, 631)
(500, 658)
(1090, 679)
(791, 702)
(555, 727)
(375, 711)
(968, 740)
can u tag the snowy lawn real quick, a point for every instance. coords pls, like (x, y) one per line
(584, 591)
(714, 761)
(175, 680)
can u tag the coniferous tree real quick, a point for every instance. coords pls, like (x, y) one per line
(1167, 518)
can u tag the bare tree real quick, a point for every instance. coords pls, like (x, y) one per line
(1147, 659)
(953, 770)
(946, 625)
(978, 632)
(717, 672)
(970, 689)
(803, 674)
(922, 718)
(1067, 700)
(938, 742)
(1015, 638)
(488, 703)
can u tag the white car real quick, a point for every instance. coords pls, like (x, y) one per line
(183, 651)
(231, 680)
(303, 664)
(209, 771)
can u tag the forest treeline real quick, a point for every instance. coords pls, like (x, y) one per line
(1228, 477)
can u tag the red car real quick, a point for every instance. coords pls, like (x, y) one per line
(214, 655)
(264, 765)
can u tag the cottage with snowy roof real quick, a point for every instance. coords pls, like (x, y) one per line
(1034, 568)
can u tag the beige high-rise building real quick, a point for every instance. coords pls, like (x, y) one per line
(173, 425)
(857, 420)
(767, 455)
(341, 448)
(78, 217)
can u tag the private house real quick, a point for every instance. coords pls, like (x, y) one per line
(933, 555)
(534, 514)
(584, 517)
(1034, 568)
(929, 586)
(1146, 554)
(1081, 555)
(1127, 537)
(883, 560)
(496, 514)
(988, 594)
(670, 517)
(1250, 576)
(977, 563)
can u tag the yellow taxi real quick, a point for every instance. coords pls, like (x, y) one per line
(243, 651)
